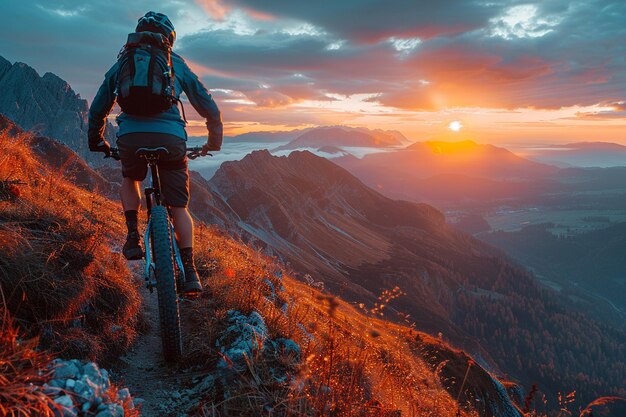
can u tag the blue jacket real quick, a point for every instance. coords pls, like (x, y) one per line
(169, 121)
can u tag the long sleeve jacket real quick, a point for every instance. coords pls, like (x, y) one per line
(169, 121)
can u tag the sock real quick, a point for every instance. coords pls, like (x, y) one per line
(186, 254)
(131, 221)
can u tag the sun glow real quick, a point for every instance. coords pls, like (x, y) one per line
(455, 126)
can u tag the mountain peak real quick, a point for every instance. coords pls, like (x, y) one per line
(259, 155)
(47, 104)
(5, 65)
(345, 136)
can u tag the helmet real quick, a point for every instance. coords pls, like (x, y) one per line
(159, 23)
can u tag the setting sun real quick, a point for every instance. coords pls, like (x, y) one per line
(455, 126)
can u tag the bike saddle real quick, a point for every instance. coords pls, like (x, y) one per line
(152, 152)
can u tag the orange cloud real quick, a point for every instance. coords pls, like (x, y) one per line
(214, 8)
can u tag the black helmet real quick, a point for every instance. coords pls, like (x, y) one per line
(159, 23)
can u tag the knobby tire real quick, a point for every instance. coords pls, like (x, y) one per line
(166, 284)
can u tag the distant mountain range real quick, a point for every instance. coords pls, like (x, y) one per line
(323, 221)
(264, 137)
(345, 136)
(447, 172)
(47, 105)
(580, 154)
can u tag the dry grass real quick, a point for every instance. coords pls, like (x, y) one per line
(56, 268)
(352, 363)
(24, 369)
(22, 373)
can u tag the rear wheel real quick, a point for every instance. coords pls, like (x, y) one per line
(166, 284)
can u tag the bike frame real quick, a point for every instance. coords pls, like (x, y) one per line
(153, 197)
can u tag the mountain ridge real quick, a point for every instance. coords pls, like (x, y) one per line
(47, 105)
(322, 220)
(344, 136)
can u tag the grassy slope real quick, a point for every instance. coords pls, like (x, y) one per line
(57, 274)
(62, 282)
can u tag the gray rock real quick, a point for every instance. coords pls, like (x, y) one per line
(123, 394)
(80, 387)
(57, 383)
(70, 383)
(112, 410)
(92, 371)
(86, 407)
(66, 401)
(243, 336)
(65, 369)
(50, 391)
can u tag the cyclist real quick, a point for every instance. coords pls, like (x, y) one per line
(166, 129)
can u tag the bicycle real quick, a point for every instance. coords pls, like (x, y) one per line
(164, 267)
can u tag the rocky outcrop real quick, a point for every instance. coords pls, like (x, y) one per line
(84, 389)
(46, 105)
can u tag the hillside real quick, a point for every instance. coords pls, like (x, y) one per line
(325, 222)
(310, 353)
(592, 260)
(45, 104)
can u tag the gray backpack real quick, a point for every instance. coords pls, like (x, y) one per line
(145, 78)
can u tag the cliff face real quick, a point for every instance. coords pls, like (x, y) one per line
(46, 105)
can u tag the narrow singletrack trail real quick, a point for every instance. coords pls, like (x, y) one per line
(144, 371)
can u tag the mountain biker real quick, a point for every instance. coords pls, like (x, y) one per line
(166, 129)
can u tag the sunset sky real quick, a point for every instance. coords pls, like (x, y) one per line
(508, 72)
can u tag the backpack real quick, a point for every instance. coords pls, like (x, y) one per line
(145, 78)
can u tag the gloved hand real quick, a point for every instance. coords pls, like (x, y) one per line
(206, 148)
(213, 143)
(102, 146)
(216, 135)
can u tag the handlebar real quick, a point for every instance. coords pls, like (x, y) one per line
(192, 153)
(196, 152)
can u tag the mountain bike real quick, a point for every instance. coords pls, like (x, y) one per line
(164, 267)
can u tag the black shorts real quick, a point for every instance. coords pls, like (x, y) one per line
(172, 168)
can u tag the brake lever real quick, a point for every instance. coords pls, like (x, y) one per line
(196, 154)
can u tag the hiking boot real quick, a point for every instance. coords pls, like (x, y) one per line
(132, 250)
(192, 284)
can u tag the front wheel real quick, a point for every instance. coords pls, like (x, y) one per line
(166, 284)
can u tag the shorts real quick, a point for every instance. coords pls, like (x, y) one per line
(173, 171)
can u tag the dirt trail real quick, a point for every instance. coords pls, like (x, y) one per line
(144, 371)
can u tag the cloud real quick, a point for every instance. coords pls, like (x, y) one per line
(373, 21)
(270, 61)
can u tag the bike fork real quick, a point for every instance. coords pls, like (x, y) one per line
(150, 267)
